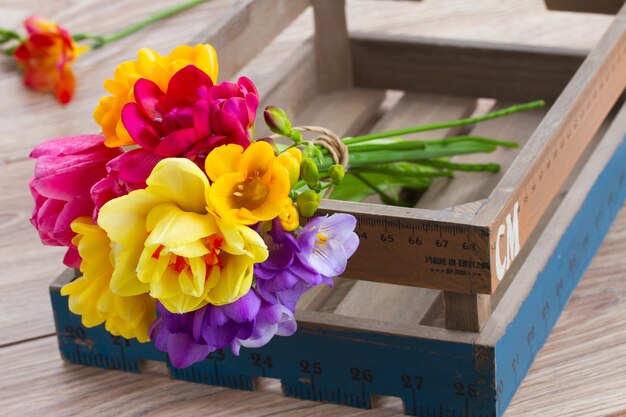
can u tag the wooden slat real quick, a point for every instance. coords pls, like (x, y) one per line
(332, 46)
(586, 6)
(529, 185)
(246, 29)
(292, 86)
(467, 312)
(522, 283)
(345, 113)
(466, 187)
(397, 303)
(474, 69)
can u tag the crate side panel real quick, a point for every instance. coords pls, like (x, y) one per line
(336, 365)
(528, 331)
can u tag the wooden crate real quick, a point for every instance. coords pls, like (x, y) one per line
(444, 305)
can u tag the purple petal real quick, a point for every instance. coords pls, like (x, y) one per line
(329, 259)
(244, 309)
(337, 226)
(220, 337)
(183, 350)
(351, 244)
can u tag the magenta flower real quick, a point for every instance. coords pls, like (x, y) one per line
(193, 116)
(125, 173)
(250, 322)
(189, 120)
(65, 171)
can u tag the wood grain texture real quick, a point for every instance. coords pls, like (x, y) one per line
(472, 69)
(572, 121)
(583, 6)
(574, 375)
(332, 46)
(248, 28)
(398, 303)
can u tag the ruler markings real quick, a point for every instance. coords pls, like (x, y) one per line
(449, 369)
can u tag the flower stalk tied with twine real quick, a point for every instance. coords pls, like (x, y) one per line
(193, 231)
(382, 163)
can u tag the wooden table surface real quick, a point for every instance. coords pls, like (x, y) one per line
(581, 371)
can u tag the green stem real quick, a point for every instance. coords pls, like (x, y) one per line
(399, 173)
(444, 125)
(100, 41)
(491, 167)
(387, 199)
(360, 159)
(402, 144)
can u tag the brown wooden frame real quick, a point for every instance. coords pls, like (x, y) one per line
(581, 89)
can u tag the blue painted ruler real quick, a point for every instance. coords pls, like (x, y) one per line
(432, 377)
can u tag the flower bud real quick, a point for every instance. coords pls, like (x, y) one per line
(308, 202)
(291, 160)
(277, 120)
(336, 173)
(309, 172)
(289, 218)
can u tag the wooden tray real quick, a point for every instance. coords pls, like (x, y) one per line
(452, 323)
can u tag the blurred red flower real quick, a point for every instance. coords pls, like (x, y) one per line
(46, 56)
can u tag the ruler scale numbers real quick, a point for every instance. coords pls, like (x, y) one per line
(437, 372)
(349, 367)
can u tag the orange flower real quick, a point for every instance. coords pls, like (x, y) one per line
(47, 55)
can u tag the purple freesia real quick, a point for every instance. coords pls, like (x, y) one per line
(65, 170)
(286, 273)
(250, 322)
(327, 242)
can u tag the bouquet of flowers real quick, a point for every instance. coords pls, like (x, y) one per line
(186, 230)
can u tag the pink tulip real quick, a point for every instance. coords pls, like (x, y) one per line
(65, 170)
(125, 173)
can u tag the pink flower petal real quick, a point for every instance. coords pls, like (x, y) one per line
(176, 143)
(147, 96)
(140, 127)
(185, 83)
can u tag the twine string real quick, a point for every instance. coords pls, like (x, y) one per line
(328, 140)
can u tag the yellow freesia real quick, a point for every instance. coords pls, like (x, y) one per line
(154, 67)
(90, 295)
(248, 186)
(289, 218)
(291, 160)
(171, 245)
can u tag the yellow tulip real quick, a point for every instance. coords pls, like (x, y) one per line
(248, 186)
(170, 244)
(90, 295)
(151, 66)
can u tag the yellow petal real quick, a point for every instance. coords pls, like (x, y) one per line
(257, 158)
(170, 226)
(124, 217)
(235, 280)
(180, 181)
(222, 160)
